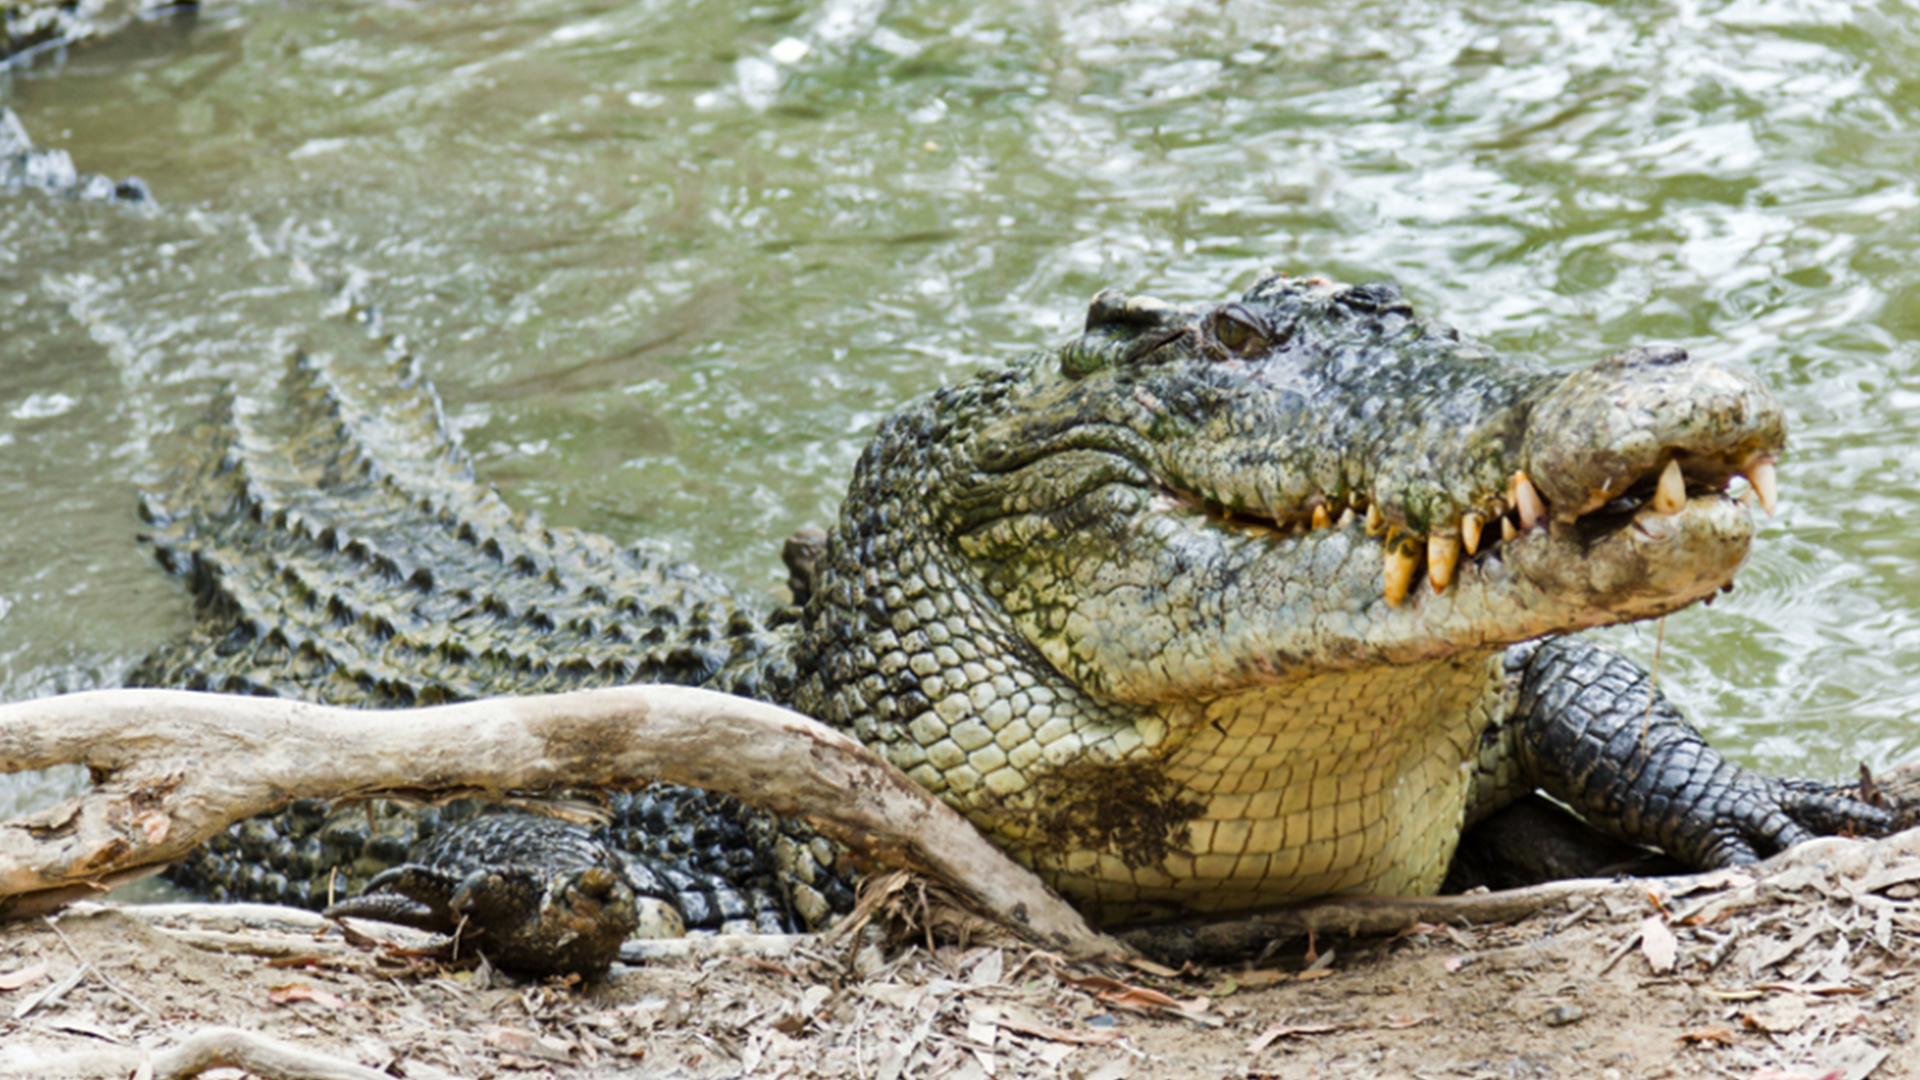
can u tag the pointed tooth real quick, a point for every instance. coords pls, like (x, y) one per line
(1507, 531)
(1470, 526)
(1346, 518)
(1766, 484)
(1671, 496)
(1401, 564)
(1443, 553)
(1320, 518)
(1375, 523)
(1527, 501)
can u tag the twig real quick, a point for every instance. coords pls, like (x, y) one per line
(104, 977)
(52, 994)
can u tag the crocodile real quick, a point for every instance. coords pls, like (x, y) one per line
(1216, 605)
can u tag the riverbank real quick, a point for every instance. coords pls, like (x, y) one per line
(1806, 970)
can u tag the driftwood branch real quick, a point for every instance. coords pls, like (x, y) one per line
(172, 768)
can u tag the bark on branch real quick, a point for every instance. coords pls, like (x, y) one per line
(202, 1052)
(172, 768)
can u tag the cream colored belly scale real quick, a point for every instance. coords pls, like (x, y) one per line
(1333, 784)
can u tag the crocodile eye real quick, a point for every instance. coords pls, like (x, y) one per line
(1237, 331)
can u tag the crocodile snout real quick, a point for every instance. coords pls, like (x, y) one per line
(1650, 423)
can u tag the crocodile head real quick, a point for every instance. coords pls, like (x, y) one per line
(1203, 606)
(1310, 478)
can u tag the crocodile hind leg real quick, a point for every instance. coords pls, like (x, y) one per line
(1589, 729)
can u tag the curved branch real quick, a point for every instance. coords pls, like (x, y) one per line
(204, 1051)
(172, 768)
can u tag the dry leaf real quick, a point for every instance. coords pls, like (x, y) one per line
(1285, 1031)
(1139, 997)
(1781, 1015)
(302, 960)
(1816, 989)
(768, 965)
(1127, 996)
(1141, 963)
(981, 1030)
(292, 992)
(515, 1041)
(1059, 1035)
(14, 980)
(1719, 1033)
(1098, 984)
(1658, 945)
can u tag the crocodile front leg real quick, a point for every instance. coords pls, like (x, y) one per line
(1590, 729)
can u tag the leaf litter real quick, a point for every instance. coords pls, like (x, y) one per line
(1806, 973)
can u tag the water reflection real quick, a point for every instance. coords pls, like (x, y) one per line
(668, 262)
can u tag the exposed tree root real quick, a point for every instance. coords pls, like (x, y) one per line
(212, 1048)
(1245, 935)
(172, 768)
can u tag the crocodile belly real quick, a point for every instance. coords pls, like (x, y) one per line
(1343, 783)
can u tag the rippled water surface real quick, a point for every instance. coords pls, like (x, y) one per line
(668, 262)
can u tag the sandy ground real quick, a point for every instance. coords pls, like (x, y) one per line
(1809, 971)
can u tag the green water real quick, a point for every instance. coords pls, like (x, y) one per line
(668, 262)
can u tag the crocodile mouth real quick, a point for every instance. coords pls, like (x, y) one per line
(1504, 518)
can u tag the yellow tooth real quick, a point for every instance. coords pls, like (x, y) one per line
(1401, 566)
(1375, 523)
(1443, 552)
(1671, 496)
(1346, 518)
(1766, 484)
(1470, 526)
(1507, 531)
(1320, 518)
(1527, 501)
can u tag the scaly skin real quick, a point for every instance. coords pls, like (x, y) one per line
(533, 895)
(1212, 607)
(1100, 618)
(343, 553)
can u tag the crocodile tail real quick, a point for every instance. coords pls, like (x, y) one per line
(339, 549)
